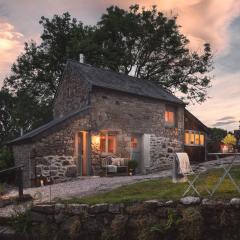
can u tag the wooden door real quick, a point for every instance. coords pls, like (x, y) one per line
(82, 153)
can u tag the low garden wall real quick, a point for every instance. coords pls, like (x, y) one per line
(190, 218)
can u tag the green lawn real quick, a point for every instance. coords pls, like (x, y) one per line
(164, 189)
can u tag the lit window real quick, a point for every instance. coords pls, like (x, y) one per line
(111, 143)
(108, 142)
(201, 139)
(103, 143)
(133, 142)
(170, 119)
(197, 139)
(194, 138)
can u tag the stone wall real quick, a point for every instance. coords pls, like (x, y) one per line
(22, 157)
(187, 219)
(73, 93)
(161, 152)
(59, 168)
(56, 145)
(128, 114)
(109, 110)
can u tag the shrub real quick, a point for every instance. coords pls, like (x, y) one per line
(230, 140)
(21, 221)
(132, 164)
(6, 158)
(2, 189)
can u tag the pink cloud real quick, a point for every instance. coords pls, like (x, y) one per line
(11, 44)
(201, 20)
(223, 101)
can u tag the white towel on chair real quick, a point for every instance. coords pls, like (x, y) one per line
(184, 164)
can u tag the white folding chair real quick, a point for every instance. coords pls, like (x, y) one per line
(227, 168)
(182, 169)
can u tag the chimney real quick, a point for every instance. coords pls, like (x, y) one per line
(21, 131)
(81, 58)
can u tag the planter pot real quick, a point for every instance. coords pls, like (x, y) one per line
(131, 172)
(228, 149)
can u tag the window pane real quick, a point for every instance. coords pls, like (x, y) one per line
(103, 143)
(169, 117)
(187, 138)
(201, 139)
(197, 140)
(192, 138)
(111, 143)
(133, 142)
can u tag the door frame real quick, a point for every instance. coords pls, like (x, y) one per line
(139, 137)
(83, 164)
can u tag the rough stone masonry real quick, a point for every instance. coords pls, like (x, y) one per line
(189, 218)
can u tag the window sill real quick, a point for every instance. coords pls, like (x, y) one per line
(106, 153)
(193, 145)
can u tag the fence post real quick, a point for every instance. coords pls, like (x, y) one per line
(20, 183)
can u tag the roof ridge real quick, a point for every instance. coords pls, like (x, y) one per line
(145, 81)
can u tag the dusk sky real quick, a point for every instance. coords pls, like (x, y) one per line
(213, 21)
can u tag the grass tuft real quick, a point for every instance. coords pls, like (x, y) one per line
(164, 189)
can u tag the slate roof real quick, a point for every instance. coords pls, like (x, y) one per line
(121, 82)
(49, 125)
(110, 80)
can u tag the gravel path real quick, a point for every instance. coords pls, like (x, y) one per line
(88, 185)
(79, 187)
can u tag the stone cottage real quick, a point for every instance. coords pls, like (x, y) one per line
(98, 114)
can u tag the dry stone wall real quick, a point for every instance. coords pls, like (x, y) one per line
(190, 218)
(59, 168)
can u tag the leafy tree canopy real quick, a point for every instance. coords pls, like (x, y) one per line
(230, 140)
(217, 134)
(139, 42)
(149, 45)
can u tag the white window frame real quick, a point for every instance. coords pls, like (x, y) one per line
(106, 133)
(195, 132)
(169, 108)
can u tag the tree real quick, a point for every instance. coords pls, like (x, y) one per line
(217, 134)
(35, 75)
(149, 45)
(38, 70)
(144, 43)
(230, 140)
(8, 129)
(6, 159)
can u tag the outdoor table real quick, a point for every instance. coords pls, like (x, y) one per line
(227, 167)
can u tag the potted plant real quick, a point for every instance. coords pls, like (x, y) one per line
(132, 165)
(229, 142)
